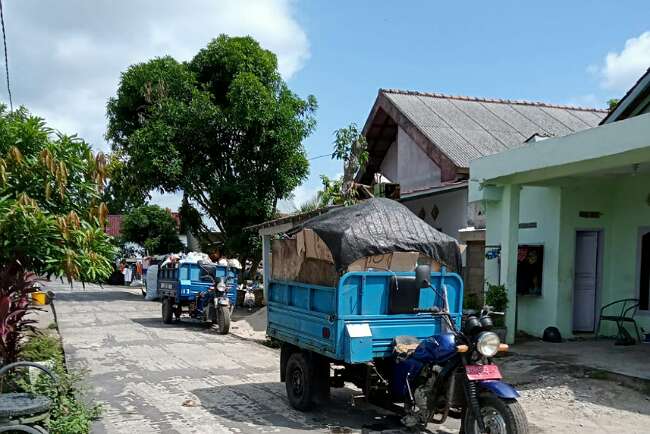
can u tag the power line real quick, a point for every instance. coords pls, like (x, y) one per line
(312, 158)
(4, 39)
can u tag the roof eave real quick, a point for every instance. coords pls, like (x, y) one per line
(640, 89)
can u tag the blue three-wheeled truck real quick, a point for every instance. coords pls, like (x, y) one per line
(401, 337)
(201, 290)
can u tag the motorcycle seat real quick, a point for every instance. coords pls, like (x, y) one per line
(404, 345)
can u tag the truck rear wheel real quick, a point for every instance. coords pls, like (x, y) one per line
(299, 382)
(167, 310)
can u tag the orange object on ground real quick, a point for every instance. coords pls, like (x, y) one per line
(40, 298)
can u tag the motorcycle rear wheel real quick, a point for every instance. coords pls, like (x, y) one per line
(500, 416)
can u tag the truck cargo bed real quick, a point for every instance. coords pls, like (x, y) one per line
(357, 320)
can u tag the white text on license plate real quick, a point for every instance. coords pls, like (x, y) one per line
(483, 372)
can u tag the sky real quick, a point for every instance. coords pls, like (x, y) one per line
(65, 57)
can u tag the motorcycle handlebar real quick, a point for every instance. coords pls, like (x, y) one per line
(433, 310)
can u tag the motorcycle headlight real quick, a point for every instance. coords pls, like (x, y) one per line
(488, 344)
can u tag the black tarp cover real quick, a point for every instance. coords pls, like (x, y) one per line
(378, 226)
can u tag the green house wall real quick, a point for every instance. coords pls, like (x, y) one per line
(623, 204)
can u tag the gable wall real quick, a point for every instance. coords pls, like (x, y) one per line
(406, 164)
(388, 167)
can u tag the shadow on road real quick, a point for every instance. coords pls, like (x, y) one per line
(185, 323)
(108, 295)
(265, 404)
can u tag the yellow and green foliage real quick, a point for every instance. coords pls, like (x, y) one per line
(51, 214)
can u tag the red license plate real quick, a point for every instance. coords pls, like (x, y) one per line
(483, 372)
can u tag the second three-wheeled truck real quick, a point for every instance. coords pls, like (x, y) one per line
(204, 291)
(400, 336)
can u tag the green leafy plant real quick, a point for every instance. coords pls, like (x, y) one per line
(41, 347)
(351, 147)
(612, 103)
(51, 213)
(497, 297)
(15, 287)
(69, 413)
(473, 301)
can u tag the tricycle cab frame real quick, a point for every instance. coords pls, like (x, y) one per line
(356, 321)
(183, 283)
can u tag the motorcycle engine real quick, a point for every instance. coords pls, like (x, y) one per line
(423, 407)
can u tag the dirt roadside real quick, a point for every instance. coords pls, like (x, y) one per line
(560, 398)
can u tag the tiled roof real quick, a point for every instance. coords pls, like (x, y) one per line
(114, 225)
(466, 128)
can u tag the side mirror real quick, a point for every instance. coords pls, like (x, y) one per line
(422, 276)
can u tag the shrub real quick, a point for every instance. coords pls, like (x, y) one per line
(497, 297)
(69, 413)
(40, 348)
(473, 301)
(51, 214)
(15, 287)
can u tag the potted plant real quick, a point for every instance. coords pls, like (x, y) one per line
(497, 297)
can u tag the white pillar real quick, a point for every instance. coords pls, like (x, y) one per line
(266, 259)
(509, 248)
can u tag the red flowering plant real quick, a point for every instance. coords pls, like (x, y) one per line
(15, 287)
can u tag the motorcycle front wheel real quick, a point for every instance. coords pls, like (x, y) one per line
(223, 320)
(500, 416)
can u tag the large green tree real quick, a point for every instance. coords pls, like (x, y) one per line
(121, 194)
(224, 129)
(51, 213)
(152, 227)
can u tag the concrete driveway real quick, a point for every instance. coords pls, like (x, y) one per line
(185, 378)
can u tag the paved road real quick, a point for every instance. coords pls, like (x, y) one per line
(144, 372)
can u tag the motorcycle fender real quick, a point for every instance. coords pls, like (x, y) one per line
(499, 388)
(224, 302)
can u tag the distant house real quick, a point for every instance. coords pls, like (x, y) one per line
(113, 226)
(568, 223)
(426, 141)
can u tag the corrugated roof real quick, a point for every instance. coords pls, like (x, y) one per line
(466, 128)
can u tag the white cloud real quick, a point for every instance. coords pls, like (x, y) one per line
(301, 194)
(621, 70)
(66, 57)
(587, 100)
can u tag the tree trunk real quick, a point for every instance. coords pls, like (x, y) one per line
(255, 262)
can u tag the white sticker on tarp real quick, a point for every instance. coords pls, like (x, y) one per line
(358, 330)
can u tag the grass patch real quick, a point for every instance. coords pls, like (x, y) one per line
(69, 414)
(598, 375)
(52, 326)
(40, 348)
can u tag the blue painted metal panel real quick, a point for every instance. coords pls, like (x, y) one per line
(230, 274)
(299, 312)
